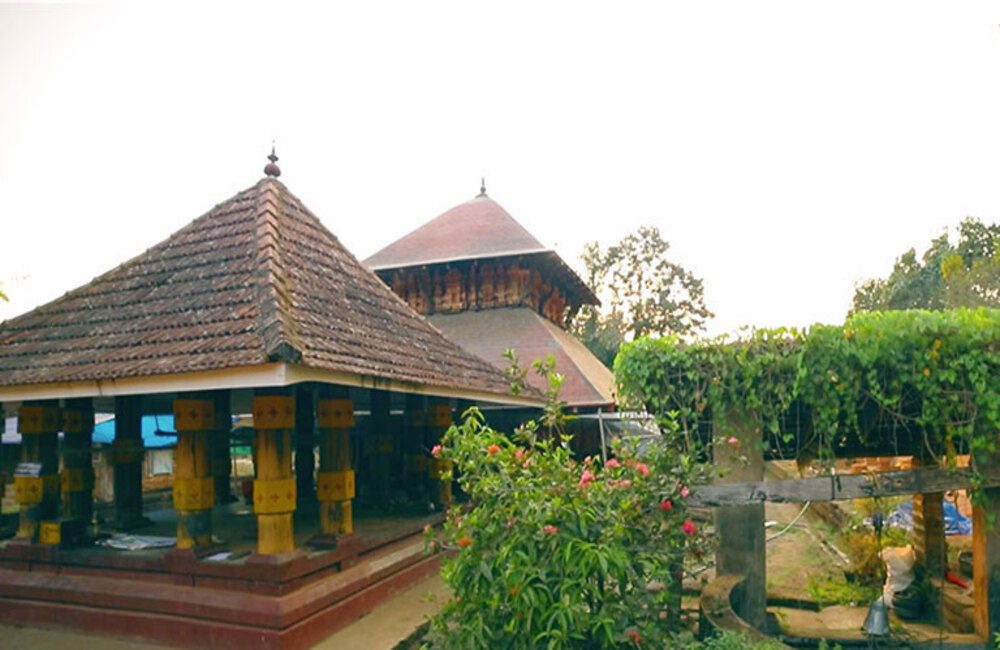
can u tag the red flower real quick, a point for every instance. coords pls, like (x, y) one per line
(642, 468)
(634, 636)
(550, 529)
(435, 450)
(612, 463)
(688, 527)
(666, 505)
(586, 477)
(492, 449)
(464, 541)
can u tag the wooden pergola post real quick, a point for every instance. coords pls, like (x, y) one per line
(36, 481)
(986, 553)
(438, 421)
(77, 475)
(274, 485)
(335, 481)
(929, 545)
(127, 452)
(222, 460)
(194, 485)
(741, 528)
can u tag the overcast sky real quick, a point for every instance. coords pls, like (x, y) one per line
(785, 149)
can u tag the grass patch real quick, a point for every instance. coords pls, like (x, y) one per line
(835, 589)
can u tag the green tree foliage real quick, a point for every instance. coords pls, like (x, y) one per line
(932, 373)
(644, 294)
(966, 274)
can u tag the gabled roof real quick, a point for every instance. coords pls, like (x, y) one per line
(476, 229)
(489, 333)
(256, 280)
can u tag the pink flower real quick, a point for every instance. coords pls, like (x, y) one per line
(733, 440)
(642, 468)
(588, 460)
(550, 529)
(435, 450)
(665, 505)
(432, 545)
(427, 528)
(492, 449)
(685, 493)
(586, 477)
(519, 454)
(625, 483)
(688, 527)
(612, 463)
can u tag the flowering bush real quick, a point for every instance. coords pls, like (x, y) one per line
(563, 553)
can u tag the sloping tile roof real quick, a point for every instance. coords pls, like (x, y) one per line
(489, 332)
(476, 229)
(257, 279)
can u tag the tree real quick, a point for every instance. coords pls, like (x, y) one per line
(947, 276)
(644, 294)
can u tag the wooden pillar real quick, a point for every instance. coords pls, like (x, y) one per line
(274, 485)
(305, 445)
(36, 480)
(222, 461)
(414, 447)
(77, 476)
(741, 528)
(986, 553)
(382, 444)
(127, 452)
(194, 485)
(438, 421)
(335, 481)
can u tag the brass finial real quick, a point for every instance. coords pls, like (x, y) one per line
(482, 186)
(272, 168)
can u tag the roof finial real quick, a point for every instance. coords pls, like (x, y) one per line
(272, 168)
(482, 186)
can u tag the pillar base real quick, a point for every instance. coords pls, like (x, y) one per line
(329, 541)
(187, 555)
(276, 559)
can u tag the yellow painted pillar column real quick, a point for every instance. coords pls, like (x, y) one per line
(438, 420)
(335, 481)
(194, 485)
(77, 475)
(305, 448)
(36, 479)
(274, 485)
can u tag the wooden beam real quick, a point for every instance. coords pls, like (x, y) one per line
(839, 487)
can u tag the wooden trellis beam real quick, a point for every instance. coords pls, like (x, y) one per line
(839, 487)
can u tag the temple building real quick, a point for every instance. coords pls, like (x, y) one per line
(489, 285)
(254, 310)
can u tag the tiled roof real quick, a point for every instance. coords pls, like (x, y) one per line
(489, 332)
(475, 229)
(255, 280)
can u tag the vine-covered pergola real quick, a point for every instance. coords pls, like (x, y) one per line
(918, 383)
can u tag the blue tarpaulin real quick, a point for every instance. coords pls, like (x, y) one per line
(955, 523)
(104, 432)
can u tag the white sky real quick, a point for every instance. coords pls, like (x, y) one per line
(785, 149)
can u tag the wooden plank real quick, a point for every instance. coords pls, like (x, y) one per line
(839, 487)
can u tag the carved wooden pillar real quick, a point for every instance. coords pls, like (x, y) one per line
(274, 485)
(77, 476)
(194, 485)
(438, 421)
(335, 481)
(127, 453)
(36, 482)
(741, 528)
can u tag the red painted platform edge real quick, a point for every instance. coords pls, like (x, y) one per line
(195, 633)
